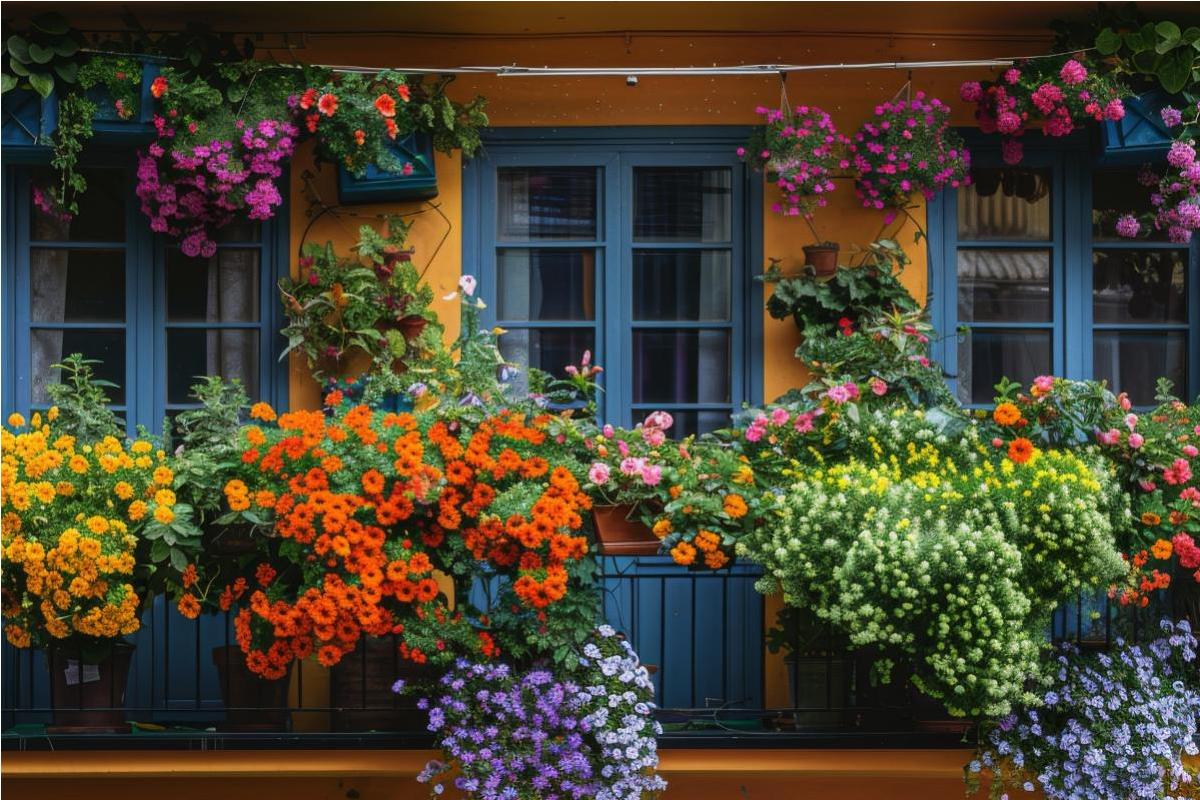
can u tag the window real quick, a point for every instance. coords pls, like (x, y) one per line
(102, 285)
(1027, 266)
(637, 251)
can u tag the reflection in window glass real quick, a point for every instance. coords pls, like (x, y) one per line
(76, 285)
(986, 356)
(546, 203)
(682, 204)
(1139, 286)
(196, 352)
(681, 366)
(546, 284)
(681, 285)
(48, 347)
(223, 288)
(550, 350)
(1004, 286)
(101, 216)
(1133, 361)
(1005, 203)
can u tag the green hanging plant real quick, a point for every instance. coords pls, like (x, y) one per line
(39, 58)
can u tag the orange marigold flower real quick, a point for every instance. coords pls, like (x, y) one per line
(683, 553)
(1006, 414)
(189, 577)
(1161, 549)
(189, 606)
(735, 506)
(262, 411)
(1150, 519)
(329, 655)
(334, 399)
(1020, 450)
(372, 481)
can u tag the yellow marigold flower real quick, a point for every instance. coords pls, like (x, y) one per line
(44, 492)
(164, 497)
(97, 524)
(16, 420)
(662, 527)
(164, 515)
(141, 447)
(89, 547)
(78, 464)
(143, 462)
(137, 510)
(163, 475)
(36, 420)
(65, 488)
(52, 413)
(123, 490)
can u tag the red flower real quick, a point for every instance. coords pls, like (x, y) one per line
(308, 98)
(385, 105)
(392, 130)
(360, 136)
(408, 168)
(1020, 450)
(404, 92)
(310, 122)
(328, 104)
(159, 87)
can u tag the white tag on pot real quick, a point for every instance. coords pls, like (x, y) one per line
(91, 673)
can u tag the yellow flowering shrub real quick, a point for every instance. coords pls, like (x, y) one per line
(73, 517)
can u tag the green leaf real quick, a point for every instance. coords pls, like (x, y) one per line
(1174, 71)
(18, 68)
(42, 83)
(1146, 62)
(178, 560)
(159, 551)
(1168, 36)
(1108, 42)
(1190, 36)
(39, 54)
(67, 70)
(18, 48)
(7, 83)
(65, 48)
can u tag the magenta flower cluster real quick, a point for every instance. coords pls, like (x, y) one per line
(908, 147)
(191, 191)
(1176, 197)
(799, 151)
(1060, 96)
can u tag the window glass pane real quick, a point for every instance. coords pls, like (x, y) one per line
(101, 216)
(76, 285)
(1139, 286)
(681, 284)
(549, 284)
(682, 204)
(192, 353)
(691, 421)
(1116, 192)
(546, 203)
(224, 288)
(1133, 361)
(1005, 203)
(49, 347)
(677, 366)
(240, 231)
(548, 350)
(1004, 286)
(986, 356)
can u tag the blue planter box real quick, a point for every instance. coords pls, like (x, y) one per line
(28, 123)
(1141, 135)
(378, 186)
(109, 129)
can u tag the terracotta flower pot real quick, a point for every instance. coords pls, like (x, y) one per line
(252, 703)
(823, 258)
(88, 694)
(621, 534)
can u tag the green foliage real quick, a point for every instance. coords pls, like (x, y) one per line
(75, 113)
(120, 77)
(82, 402)
(43, 56)
(207, 445)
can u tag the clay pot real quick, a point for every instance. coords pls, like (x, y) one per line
(252, 703)
(622, 534)
(822, 258)
(87, 693)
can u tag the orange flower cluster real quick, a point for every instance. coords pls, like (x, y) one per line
(367, 506)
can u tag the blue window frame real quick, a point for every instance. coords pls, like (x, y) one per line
(1026, 269)
(639, 244)
(105, 285)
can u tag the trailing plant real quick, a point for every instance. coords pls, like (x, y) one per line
(908, 147)
(1061, 92)
(1115, 724)
(373, 303)
(61, 200)
(42, 57)
(1176, 199)
(799, 150)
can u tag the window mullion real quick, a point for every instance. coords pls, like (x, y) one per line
(617, 333)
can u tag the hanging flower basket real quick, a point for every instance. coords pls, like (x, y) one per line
(29, 120)
(418, 180)
(1139, 136)
(124, 102)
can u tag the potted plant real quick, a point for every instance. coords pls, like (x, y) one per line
(1059, 92)
(818, 672)
(799, 150)
(906, 148)
(122, 90)
(37, 62)
(372, 306)
(81, 506)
